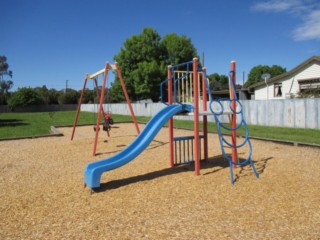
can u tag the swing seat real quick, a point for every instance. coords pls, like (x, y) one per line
(109, 121)
(106, 128)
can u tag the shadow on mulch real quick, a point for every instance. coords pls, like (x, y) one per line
(12, 123)
(154, 144)
(247, 169)
(216, 163)
(140, 178)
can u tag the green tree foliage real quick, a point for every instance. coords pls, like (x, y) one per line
(49, 96)
(70, 97)
(54, 95)
(4, 67)
(89, 95)
(143, 60)
(25, 97)
(144, 47)
(5, 79)
(218, 82)
(256, 72)
(177, 49)
(147, 78)
(44, 92)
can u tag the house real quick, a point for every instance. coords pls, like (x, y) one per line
(301, 79)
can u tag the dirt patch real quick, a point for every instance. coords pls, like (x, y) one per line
(42, 194)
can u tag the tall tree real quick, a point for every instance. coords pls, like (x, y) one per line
(177, 49)
(144, 47)
(218, 82)
(256, 72)
(143, 60)
(5, 79)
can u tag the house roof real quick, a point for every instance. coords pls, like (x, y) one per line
(286, 74)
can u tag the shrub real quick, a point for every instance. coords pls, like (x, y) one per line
(25, 97)
(70, 97)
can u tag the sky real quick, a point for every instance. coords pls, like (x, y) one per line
(55, 43)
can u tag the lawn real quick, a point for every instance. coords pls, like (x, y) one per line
(31, 124)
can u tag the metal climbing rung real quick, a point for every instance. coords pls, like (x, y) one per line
(183, 150)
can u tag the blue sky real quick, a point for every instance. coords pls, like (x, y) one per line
(49, 42)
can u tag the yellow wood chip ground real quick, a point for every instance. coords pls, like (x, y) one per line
(42, 194)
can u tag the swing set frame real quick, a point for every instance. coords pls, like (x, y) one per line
(100, 96)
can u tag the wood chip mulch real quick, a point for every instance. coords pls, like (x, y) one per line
(42, 194)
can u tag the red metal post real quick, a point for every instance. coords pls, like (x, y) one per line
(233, 116)
(127, 98)
(78, 108)
(205, 118)
(105, 75)
(196, 117)
(171, 150)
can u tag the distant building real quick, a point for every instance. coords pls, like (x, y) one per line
(301, 79)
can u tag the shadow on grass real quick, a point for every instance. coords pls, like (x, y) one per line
(12, 123)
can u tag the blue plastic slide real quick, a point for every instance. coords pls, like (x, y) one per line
(94, 170)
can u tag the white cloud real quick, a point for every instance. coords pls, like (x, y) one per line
(310, 29)
(276, 6)
(307, 10)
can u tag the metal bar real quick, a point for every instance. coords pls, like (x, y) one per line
(100, 109)
(184, 151)
(175, 153)
(102, 71)
(171, 119)
(180, 151)
(78, 108)
(196, 117)
(181, 64)
(205, 118)
(127, 97)
(234, 115)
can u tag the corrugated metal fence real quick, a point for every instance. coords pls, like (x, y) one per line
(294, 113)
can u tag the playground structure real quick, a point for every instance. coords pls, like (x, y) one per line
(179, 89)
(193, 86)
(107, 120)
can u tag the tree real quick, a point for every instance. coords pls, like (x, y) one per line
(5, 79)
(218, 82)
(25, 97)
(70, 97)
(5, 86)
(89, 95)
(177, 49)
(44, 92)
(54, 95)
(144, 47)
(147, 78)
(256, 72)
(49, 96)
(143, 61)
(4, 66)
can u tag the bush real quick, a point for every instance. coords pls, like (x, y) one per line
(25, 97)
(70, 97)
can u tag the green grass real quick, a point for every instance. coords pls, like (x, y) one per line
(279, 133)
(31, 124)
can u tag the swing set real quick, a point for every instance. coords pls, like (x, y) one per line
(107, 120)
